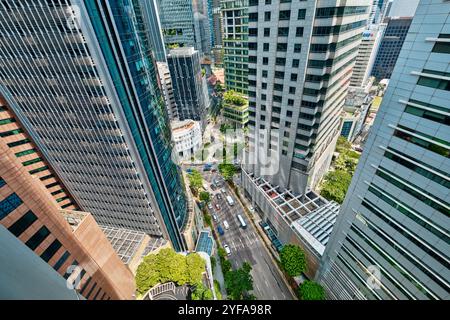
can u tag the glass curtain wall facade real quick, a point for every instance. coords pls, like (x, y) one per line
(235, 48)
(80, 76)
(391, 239)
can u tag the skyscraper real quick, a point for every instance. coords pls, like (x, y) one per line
(217, 32)
(80, 77)
(235, 48)
(177, 22)
(391, 239)
(35, 208)
(391, 43)
(167, 90)
(189, 85)
(301, 55)
(202, 27)
(150, 13)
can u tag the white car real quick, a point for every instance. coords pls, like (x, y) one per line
(252, 209)
(226, 225)
(227, 249)
(214, 217)
(210, 206)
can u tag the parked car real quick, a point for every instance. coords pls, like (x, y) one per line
(210, 206)
(226, 225)
(219, 196)
(217, 206)
(227, 249)
(214, 217)
(220, 230)
(252, 209)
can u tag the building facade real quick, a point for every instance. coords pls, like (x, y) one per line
(167, 90)
(217, 33)
(391, 239)
(202, 27)
(89, 97)
(189, 84)
(187, 136)
(153, 23)
(177, 22)
(301, 56)
(365, 59)
(391, 43)
(69, 241)
(235, 47)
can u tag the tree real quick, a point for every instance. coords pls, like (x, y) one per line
(195, 268)
(335, 185)
(201, 293)
(213, 263)
(226, 266)
(217, 290)
(293, 260)
(172, 266)
(195, 180)
(227, 170)
(205, 196)
(239, 282)
(147, 275)
(310, 290)
(342, 144)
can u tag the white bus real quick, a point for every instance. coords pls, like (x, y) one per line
(241, 220)
(230, 200)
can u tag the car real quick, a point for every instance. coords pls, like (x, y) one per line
(217, 206)
(226, 225)
(210, 206)
(227, 249)
(219, 196)
(214, 217)
(223, 190)
(220, 230)
(252, 209)
(213, 169)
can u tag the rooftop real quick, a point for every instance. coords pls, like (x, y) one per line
(310, 215)
(182, 51)
(74, 218)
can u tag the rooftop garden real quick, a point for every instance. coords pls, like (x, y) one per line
(232, 97)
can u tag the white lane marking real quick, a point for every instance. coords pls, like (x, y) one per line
(233, 245)
(267, 284)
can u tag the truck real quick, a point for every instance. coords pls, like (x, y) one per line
(230, 201)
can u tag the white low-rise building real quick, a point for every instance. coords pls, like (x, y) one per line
(187, 136)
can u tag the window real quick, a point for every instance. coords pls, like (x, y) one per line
(285, 14)
(6, 121)
(252, 32)
(37, 238)
(295, 63)
(268, 1)
(293, 77)
(299, 32)
(38, 170)
(10, 133)
(282, 47)
(279, 74)
(264, 85)
(252, 3)
(264, 73)
(30, 162)
(435, 83)
(252, 17)
(51, 250)
(9, 204)
(266, 32)
(26, 152)
(292, 90)
(267, 16)
(422, 143)
(265, 61)
(283, 32)
(61, 260)
(301, 14)
(287, 124)
(290, 102)
(2, 182)
(297, 47)
(427, 114)
(284, 152)
(18, 143)
(278, 87)
(24, 222)
(289, 114)
(442, 47)
(263, 97)
(280, 61)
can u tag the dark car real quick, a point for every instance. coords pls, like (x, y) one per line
(220, 230)
(219, 196)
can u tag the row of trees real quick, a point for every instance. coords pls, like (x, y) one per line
(238, 282)
(336, 182)
(169, 266)
(293, 262)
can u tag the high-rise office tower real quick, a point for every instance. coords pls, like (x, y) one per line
(167, 90)
(80, 77)
(235, 47)
(217, 32)
(391, 43)
(35, 208)
(202, 27)
(365, 59)
(301, 55)
(394, 223)
(189, 85)
(177, 22)
(153, 24)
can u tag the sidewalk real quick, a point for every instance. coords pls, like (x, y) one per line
(218, 275)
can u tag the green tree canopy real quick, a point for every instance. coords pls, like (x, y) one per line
(310, 290)
(227, 170)
(234, 98)
(202, 293)
(342, 144)
(167, 266)
(195, 180)
(335, 185)
(205, 196)
(293, 260)
(239, 282)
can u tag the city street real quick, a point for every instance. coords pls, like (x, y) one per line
(245, 244)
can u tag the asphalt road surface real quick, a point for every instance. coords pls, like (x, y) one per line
(246, 244)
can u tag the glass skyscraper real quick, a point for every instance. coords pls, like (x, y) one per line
(391, 239)
(80, 76)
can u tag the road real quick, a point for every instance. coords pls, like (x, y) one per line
(246, 245)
